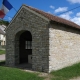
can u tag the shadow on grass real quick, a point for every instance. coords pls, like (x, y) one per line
(24, 66)
(16, 73)
(2, 63)
(7, 73)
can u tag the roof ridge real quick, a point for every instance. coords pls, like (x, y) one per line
(54, 17)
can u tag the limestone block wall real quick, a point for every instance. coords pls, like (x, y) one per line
(64, 47)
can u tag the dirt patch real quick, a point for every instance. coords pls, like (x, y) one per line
(76, 78)
(46, 76)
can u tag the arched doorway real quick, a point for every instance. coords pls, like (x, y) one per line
(25, 47)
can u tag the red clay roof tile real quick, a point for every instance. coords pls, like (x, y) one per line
(55, 18)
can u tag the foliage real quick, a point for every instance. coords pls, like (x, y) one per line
(2, 22)
(2, 52)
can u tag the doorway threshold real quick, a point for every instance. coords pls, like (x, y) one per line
(25, 66)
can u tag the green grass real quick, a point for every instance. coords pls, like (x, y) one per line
(67, 73)
(7, 73)
(2, 52)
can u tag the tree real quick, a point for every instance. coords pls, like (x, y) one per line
(2, 22)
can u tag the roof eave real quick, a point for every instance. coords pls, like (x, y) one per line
(77, 27)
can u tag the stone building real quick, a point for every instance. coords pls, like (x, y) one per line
(45, 41)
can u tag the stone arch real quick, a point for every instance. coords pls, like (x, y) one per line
(23, 47)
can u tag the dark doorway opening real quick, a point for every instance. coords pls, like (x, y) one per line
(25, 48)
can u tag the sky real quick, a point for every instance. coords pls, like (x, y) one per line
(55, 7)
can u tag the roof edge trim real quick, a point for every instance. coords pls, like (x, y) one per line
(24, 6)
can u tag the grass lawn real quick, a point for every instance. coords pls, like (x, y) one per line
(7, 73)
(2, 52)
(67, 73)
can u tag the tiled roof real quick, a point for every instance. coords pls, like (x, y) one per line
(54, 18)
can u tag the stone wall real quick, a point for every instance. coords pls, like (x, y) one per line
(54, 46)
(64, 46)
(27, 20)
